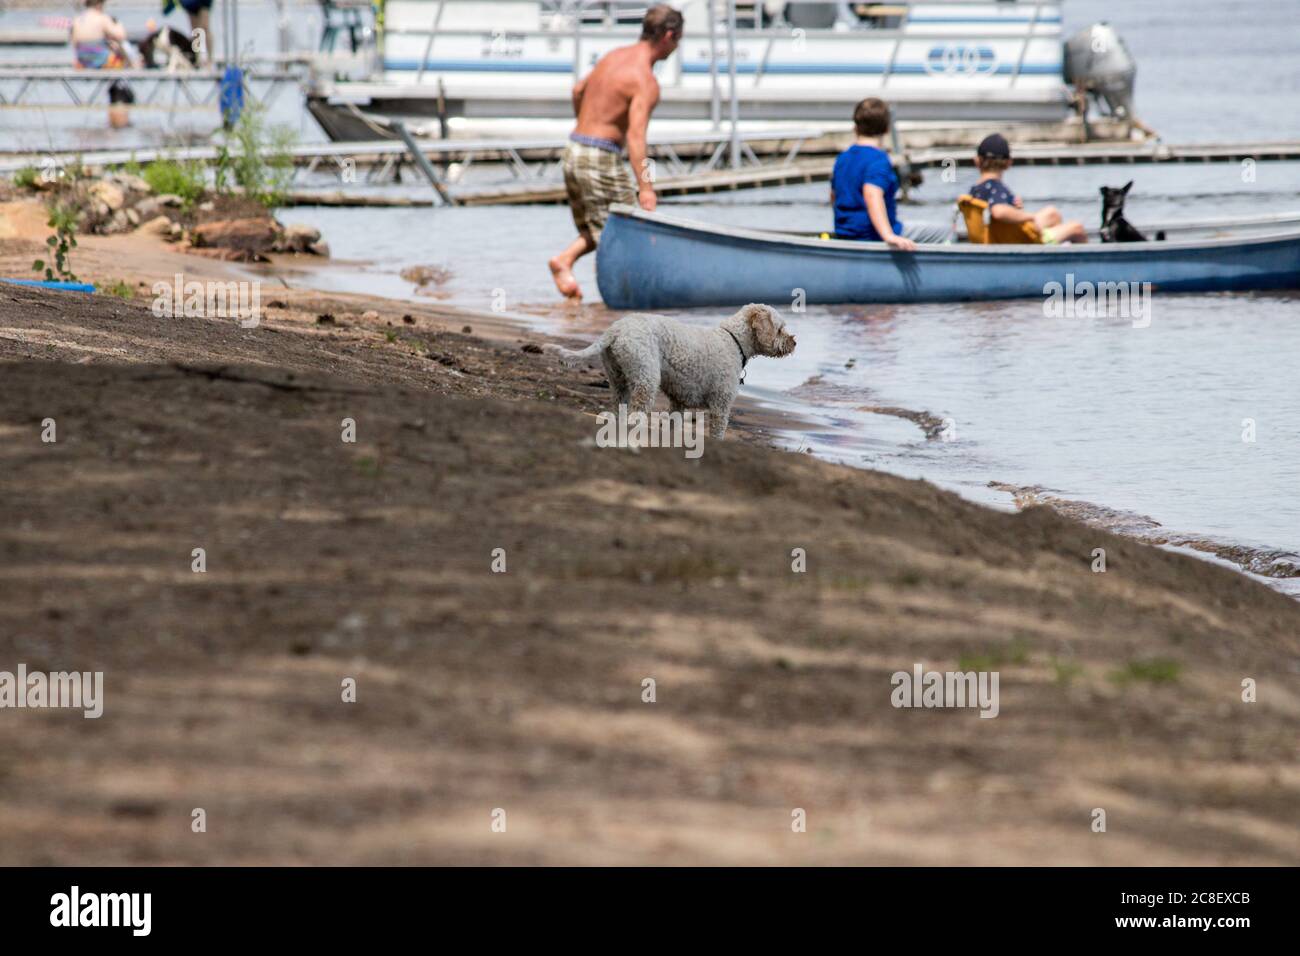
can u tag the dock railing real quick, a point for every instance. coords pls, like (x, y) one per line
(444, 163)
(79, 88)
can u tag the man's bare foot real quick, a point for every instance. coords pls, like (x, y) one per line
(564, 280)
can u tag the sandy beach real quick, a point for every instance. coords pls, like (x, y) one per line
(523, 691)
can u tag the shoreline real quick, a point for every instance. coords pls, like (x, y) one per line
(788, 425)
(1272, 566)
(523, 690)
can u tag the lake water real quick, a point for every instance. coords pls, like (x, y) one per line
(1145, 421)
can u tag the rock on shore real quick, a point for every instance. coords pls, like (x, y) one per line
(118, 203)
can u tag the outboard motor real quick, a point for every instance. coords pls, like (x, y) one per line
(1098, 62)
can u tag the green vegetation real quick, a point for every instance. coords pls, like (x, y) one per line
(119, 288)
(63, 220)
(1017, 652)
(51, 173)
(253, 159)
(27, 177)
(1157, 670)
(186, 180)
(75, 171)
(1066, 671)
(256, 159)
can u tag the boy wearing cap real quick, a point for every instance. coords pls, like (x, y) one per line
(864, 184)
(992, 158)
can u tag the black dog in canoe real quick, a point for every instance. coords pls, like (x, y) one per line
(1114, 227)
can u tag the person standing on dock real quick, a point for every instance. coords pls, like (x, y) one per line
(98, 39)
(613, 106)
(200, 13)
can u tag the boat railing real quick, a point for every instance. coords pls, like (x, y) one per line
(614, 20)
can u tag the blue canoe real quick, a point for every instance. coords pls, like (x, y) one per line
(652, 261)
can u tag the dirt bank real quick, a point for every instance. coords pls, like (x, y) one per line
(523, 690)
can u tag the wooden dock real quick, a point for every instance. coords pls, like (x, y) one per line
(804, 171)
(526, 156)
(1091, 154)
(819, 170)
(339, 199)
(33, 36)
(534, 164)
(721, 180)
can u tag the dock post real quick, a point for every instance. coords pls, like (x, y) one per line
(731, 74)
(422, 163)
(284, 39)
(715, 94)
(577, 42)
(225, 31)
(232, 32)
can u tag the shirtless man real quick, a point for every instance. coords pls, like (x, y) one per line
(613, 106)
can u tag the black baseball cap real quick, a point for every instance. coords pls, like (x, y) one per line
(995, 147)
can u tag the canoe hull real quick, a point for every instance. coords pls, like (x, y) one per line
(648, 261)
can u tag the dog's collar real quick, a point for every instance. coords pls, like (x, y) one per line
(744, 359)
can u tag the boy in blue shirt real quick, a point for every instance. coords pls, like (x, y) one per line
(992, 158)
(864, 186)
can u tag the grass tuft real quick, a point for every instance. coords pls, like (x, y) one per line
(1156, 670)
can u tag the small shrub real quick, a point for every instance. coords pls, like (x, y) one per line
(255, 158)
(179, 179)
(27, 177)
(63, 220)
(119, 288)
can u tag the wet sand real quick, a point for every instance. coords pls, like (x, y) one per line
(523, 691)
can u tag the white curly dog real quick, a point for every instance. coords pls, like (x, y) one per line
(696, 368)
